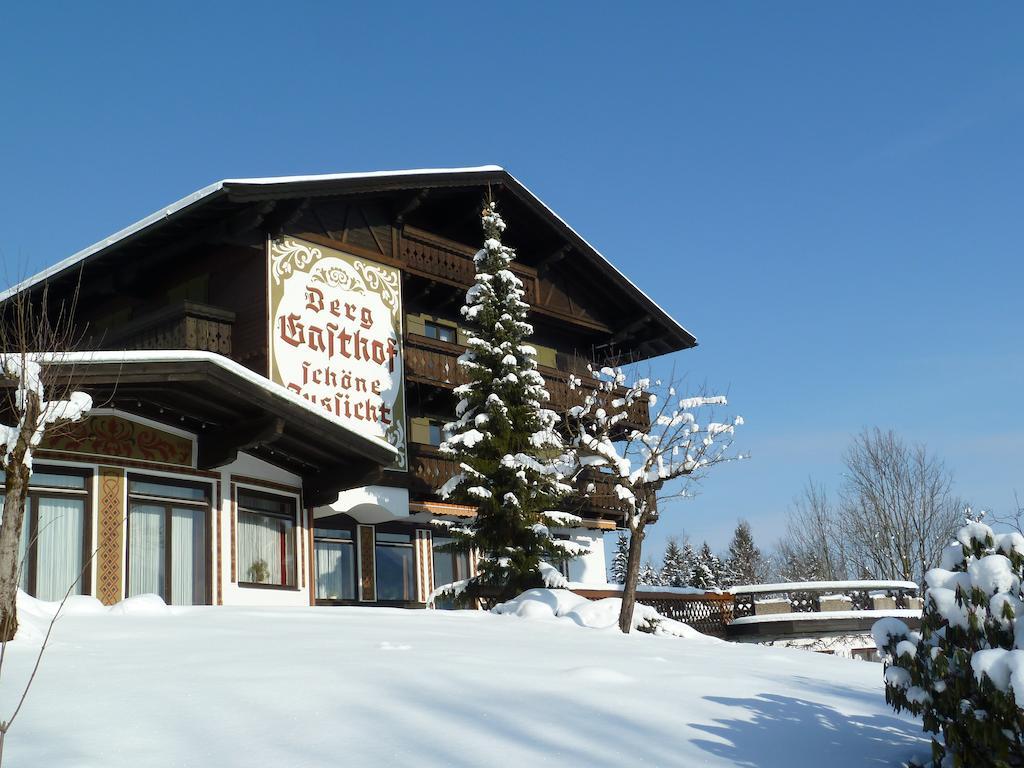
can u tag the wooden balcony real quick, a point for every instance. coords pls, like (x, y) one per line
(429, 470)
(433, 362)
(185, 325)
(440, 260)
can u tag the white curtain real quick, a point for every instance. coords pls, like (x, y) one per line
(146, 550)
(188, 556)
(259, 549)
(23, 547)
(59, 547)
(334, 570)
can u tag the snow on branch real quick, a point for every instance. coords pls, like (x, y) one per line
(34, 412)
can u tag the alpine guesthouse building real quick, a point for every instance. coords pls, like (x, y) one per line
(271, 363)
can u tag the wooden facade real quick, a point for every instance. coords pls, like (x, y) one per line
(196, 278)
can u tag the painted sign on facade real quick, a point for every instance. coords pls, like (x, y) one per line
(336, 335)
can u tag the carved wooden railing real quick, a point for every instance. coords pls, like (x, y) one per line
(452, 263)
(436, 362)
(186, 325)
(429, 470)
(824, 597)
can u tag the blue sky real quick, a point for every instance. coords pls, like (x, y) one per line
(828, 195)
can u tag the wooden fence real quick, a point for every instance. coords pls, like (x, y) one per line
(709, 612)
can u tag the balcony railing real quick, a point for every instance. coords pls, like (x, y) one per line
(186, 325)
(436, 362)
(452, 263)
(824, 597)
(429, 470)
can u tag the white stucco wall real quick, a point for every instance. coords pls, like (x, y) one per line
(587, 568)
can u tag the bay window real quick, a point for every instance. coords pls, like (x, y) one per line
(55, 536)
(167, 539)
(266, 539)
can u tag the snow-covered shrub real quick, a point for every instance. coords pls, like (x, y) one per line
(963, 673)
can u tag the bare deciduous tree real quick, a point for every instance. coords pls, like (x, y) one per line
(648, 466)
(40, 398)
(814, 548)
(897, 507)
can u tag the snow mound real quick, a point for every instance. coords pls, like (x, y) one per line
(141, 605)
(81, 605)
(598, 675)
(541, 603)
(592, 614)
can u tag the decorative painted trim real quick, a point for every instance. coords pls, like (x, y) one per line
(300, 556)
(217, 535)
(367, 565)
(117, 437)
(115, 461)
(110, 535)
(247, 480)
(232, 506)
(425, 565)
(311, 562)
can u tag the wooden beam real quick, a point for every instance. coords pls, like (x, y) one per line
(284, 216)
(217, 447)
(545, 264)
(413, 203)
(630, 329)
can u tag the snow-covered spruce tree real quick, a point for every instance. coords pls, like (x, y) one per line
(677, 565)
(707, 570)
(648, 466)
(618, 568)
(746, 562)
(649, 575)
(963, 673)
(504, 440)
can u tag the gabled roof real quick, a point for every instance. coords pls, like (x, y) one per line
(240, 191)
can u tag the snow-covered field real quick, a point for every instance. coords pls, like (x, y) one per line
(151, 686)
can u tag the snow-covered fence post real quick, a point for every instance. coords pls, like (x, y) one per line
(649, 465)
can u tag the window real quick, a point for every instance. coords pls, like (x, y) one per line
(448, 567)
(266, 539)
(167, 540)
(54, 547)
(396, 567)
(562, 563)
(335, 555)
(435, 431)
(440, 332)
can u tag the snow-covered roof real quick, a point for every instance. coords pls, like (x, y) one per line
(126, 357)
(818, 586)
(423, 175)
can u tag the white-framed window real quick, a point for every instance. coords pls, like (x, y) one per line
(266, 539)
